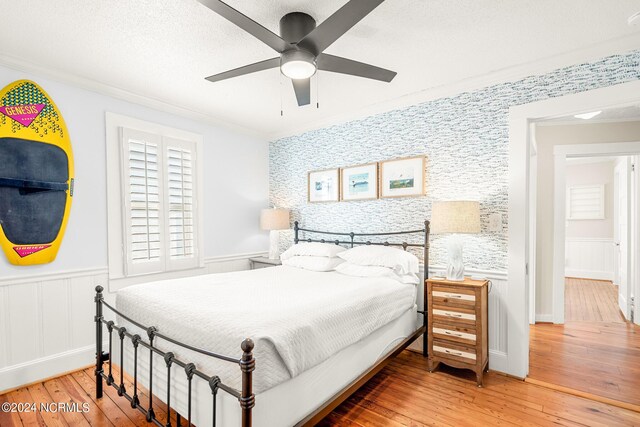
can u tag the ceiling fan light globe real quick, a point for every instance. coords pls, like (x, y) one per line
(298, 64)
(298, 69)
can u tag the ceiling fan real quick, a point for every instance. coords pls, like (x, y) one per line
(301, 45)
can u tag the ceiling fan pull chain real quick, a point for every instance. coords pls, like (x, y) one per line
(281, 111)
(317, 90)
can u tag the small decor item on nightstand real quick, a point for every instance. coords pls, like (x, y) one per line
(359, 182)
(274, 220)
(457, 314)
(324, 186)
(403, 177)
(455, 217)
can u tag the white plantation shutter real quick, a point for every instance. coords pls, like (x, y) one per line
(180, 161)
(585, 202)
(159, 209)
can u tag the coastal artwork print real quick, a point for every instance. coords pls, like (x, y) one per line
(359, 182)
(402, 177)
(324, 186)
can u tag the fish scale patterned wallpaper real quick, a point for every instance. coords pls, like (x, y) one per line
(465, 139)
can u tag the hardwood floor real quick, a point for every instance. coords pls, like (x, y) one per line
(596, 351)
(591, 300)
(404, 393)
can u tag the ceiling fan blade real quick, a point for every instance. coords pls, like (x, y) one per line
(247, 69)
(303, 91)
(337, 64)
(337, 24)
(249, 25)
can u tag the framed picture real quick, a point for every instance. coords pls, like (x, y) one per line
(402, 177)
(359, 182)
(324, 186)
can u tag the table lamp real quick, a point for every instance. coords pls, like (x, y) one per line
(274, 220)
(456, 217)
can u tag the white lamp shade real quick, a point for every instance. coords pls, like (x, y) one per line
(274, 219)
(461, 216)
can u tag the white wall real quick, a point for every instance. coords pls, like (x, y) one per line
(46, 311)
(235, 179)
(546, 138)
(597, 173)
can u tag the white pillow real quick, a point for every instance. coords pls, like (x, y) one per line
(313, 263)
(401, 261)
(329, 250)
(356, 270)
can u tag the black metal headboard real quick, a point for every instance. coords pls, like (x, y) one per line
(353, 239)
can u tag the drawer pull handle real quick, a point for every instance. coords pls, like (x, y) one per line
(453, 315)
(453, 296)
(457, 353)
(453, 333)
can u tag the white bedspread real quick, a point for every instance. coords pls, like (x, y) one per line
(297, 318)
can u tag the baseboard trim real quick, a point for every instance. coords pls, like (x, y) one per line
(589, 274)
(544, 318)
(33, 371)
(498, 361)
(584, 394)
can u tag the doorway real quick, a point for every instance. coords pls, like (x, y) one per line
(582, 341)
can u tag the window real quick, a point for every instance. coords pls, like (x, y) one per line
(153, 206)
(585, 202)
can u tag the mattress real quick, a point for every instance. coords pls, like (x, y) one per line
(296, 318)
(292, 400)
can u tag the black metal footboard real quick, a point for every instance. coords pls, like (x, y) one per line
(246, 363)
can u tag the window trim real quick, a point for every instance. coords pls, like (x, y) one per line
(118, 276)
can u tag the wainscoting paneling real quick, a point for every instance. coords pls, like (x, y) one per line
(46, 325)
(590, 258)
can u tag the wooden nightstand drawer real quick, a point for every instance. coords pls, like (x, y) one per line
(462, 335)
(453, 297)
(460, 353)
(454, 314)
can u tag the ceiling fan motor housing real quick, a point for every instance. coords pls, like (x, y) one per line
(295, 25)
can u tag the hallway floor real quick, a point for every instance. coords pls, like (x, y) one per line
(596, 351)
(591, 300)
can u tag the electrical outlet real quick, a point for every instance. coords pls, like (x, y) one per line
(495, 222)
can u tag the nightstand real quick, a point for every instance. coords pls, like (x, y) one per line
(458, 324)
(263, 262)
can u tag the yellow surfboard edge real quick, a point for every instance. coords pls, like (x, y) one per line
(27, 112)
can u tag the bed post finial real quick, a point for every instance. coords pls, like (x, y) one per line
(247, 365)
(296, 228)
(99, 354)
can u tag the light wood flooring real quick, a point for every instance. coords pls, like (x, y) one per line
(596, 351)
(591, 300)
(403, 394)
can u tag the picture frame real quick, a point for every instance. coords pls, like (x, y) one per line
(359, 182)
(404, 177)
(323, 186)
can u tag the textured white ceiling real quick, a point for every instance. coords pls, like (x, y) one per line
(163, 49)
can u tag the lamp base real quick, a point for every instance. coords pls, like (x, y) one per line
(274, 243)
(455, 267)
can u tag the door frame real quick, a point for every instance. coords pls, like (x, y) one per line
(561, 153)
(519, 260)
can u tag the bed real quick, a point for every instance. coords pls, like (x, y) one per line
(315, 337)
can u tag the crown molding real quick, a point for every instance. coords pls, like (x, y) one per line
(615, 46)
(569, 122)
(125, 95)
